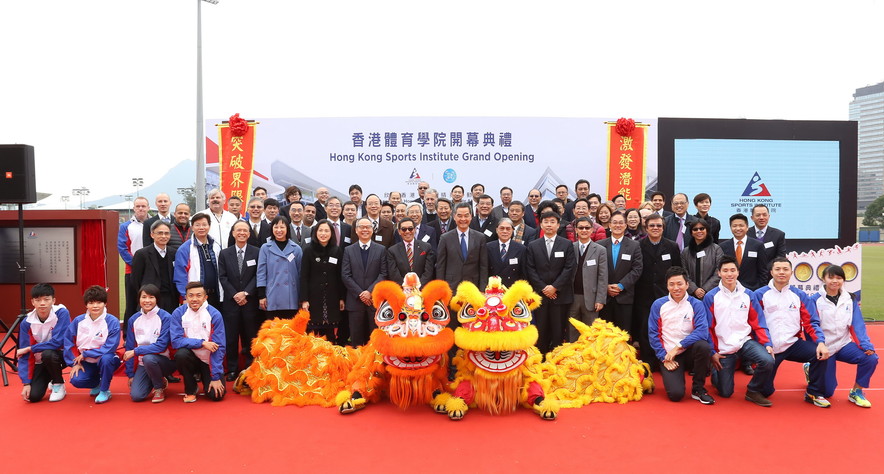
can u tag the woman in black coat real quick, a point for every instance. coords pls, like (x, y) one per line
(322, 290)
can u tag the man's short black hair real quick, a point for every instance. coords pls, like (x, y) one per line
(271, 202)
(676, 271)
(257, 188)
(356, 187)
(739, 217)
(95, 293)
(42, 289)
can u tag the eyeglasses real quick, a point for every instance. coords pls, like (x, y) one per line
(422, 187)
(698, 229)
(406, 229)
(654, 226)
(533, 195)
(584, 228)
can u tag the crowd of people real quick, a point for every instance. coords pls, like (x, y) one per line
(691, 299)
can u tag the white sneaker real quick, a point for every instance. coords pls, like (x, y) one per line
(58, 392)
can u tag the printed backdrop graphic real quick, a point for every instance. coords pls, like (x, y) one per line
(395, 154)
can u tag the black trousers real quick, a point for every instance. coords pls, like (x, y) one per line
(361, 325)
(619, 314)
(189, 365)
(49, 371)
(698, 356)
(132, 303)
(241, 327)
(550, 321)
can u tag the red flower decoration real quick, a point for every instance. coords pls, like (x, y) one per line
(239, 126)
(625, 126)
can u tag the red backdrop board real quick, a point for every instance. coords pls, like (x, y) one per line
(627, 156)
(96, 258)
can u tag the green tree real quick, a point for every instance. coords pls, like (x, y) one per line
(873, 216)
(188, 195)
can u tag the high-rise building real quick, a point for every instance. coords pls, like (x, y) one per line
(867, 109)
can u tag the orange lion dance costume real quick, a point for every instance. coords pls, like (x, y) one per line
(498, 367)
(406, 357)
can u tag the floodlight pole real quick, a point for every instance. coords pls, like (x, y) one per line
(200, 139)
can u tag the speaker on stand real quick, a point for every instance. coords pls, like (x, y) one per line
(17, 186)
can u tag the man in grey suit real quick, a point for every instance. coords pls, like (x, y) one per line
(506, 198)
(590, 279)
(410, 255)
(550, 268)
(462, 255)
(300, 232)
(624, 270)
(365, 264)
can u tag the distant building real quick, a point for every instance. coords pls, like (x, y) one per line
(867, 109)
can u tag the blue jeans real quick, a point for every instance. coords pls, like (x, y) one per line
(852, 354)
(97, 374)
(752, 352)
(151, 375)
(801, 351)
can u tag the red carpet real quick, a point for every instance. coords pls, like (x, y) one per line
(235, 435)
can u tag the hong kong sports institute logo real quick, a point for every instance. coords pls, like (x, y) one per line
(756, 187)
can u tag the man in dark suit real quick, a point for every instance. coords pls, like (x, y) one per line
(676, 224)
(581, 188)
(774, 240)
(749, 254)
(506, 257)
(443, 222)
(624, 269)
(658, 255)
(382, 228)
(462, 255)
(259, 227)
(163, 203)
(506, 198)
(410, 255)
(550, 266)
(658, 200)
(590, 277)
(531, 217)
(522, 232)
(237, 274)
(154, 264)
(365, 264)
(483, 221)
(431, 198)
(423, 232)
(342, 230)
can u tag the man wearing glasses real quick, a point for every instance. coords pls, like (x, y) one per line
(676, 224)
(531, 217)
(591, 278)
(410, 255)
(421, 190)
(658, 255)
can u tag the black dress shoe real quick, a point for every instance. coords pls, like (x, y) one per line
(748, 370)
(173, 379)
(231, 376)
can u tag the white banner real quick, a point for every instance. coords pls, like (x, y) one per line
(394, 154)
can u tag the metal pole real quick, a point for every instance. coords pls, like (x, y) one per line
(200, 139)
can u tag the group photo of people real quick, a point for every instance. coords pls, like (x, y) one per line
(700, 297)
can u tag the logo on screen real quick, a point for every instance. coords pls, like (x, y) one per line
(449, 176)
(756, 187)
(414, 174)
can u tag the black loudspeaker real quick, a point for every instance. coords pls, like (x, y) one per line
(17, 177)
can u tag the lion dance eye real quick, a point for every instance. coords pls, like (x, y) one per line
(467, 312)
(384, 314)
(440, 314)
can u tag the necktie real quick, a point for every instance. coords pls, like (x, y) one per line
(337, 234)
(549, 246)
(364, 255)
(502, 250)
(739, 253)
(444, 227)
(239, 258)
(410, 254)
(582, 249)
(760, 235)
(679, 239)
(255, 228)
(165, 219)
(374, 225)
(298, 230)
(463, 245)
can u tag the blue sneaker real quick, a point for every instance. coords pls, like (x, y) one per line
(856, 396)
(807, 372)
(95, 391)
(103, 397)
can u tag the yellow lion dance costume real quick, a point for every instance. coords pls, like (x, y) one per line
(406, 357)
(498, 367)
(600, 366)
